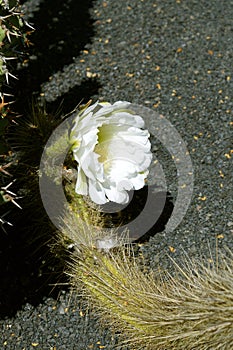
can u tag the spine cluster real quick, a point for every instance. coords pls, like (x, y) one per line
(13, 36)
(188, 309)
(14, 31)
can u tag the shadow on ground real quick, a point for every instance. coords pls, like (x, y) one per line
(62, 29)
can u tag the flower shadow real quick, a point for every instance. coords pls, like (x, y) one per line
(146, 214)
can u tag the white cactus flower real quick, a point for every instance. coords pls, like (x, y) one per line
(112, 150)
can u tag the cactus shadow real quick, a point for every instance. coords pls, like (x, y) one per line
(26, 276)
(62, 29)
(28, 271)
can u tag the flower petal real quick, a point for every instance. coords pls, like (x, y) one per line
(112, 150)
(81, 184)
(97, 192)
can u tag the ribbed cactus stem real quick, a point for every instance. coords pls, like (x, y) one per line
(13, 34)
(191, 310)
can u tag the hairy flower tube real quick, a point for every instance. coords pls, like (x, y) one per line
(112, 150)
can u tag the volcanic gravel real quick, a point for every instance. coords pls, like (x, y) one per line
(174, 57)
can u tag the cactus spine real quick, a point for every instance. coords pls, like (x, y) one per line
(13, 37)
(189, 309)
(192, 310)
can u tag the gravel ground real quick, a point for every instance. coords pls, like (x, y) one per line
(174, 57)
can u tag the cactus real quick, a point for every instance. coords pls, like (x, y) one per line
(13, 35)
(13, 38)
(14, 31)
(190, 309)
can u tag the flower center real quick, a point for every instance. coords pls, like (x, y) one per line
(102, 150)
(105, 134)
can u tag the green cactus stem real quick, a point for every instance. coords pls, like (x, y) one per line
(192, 310)
(14, 32)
